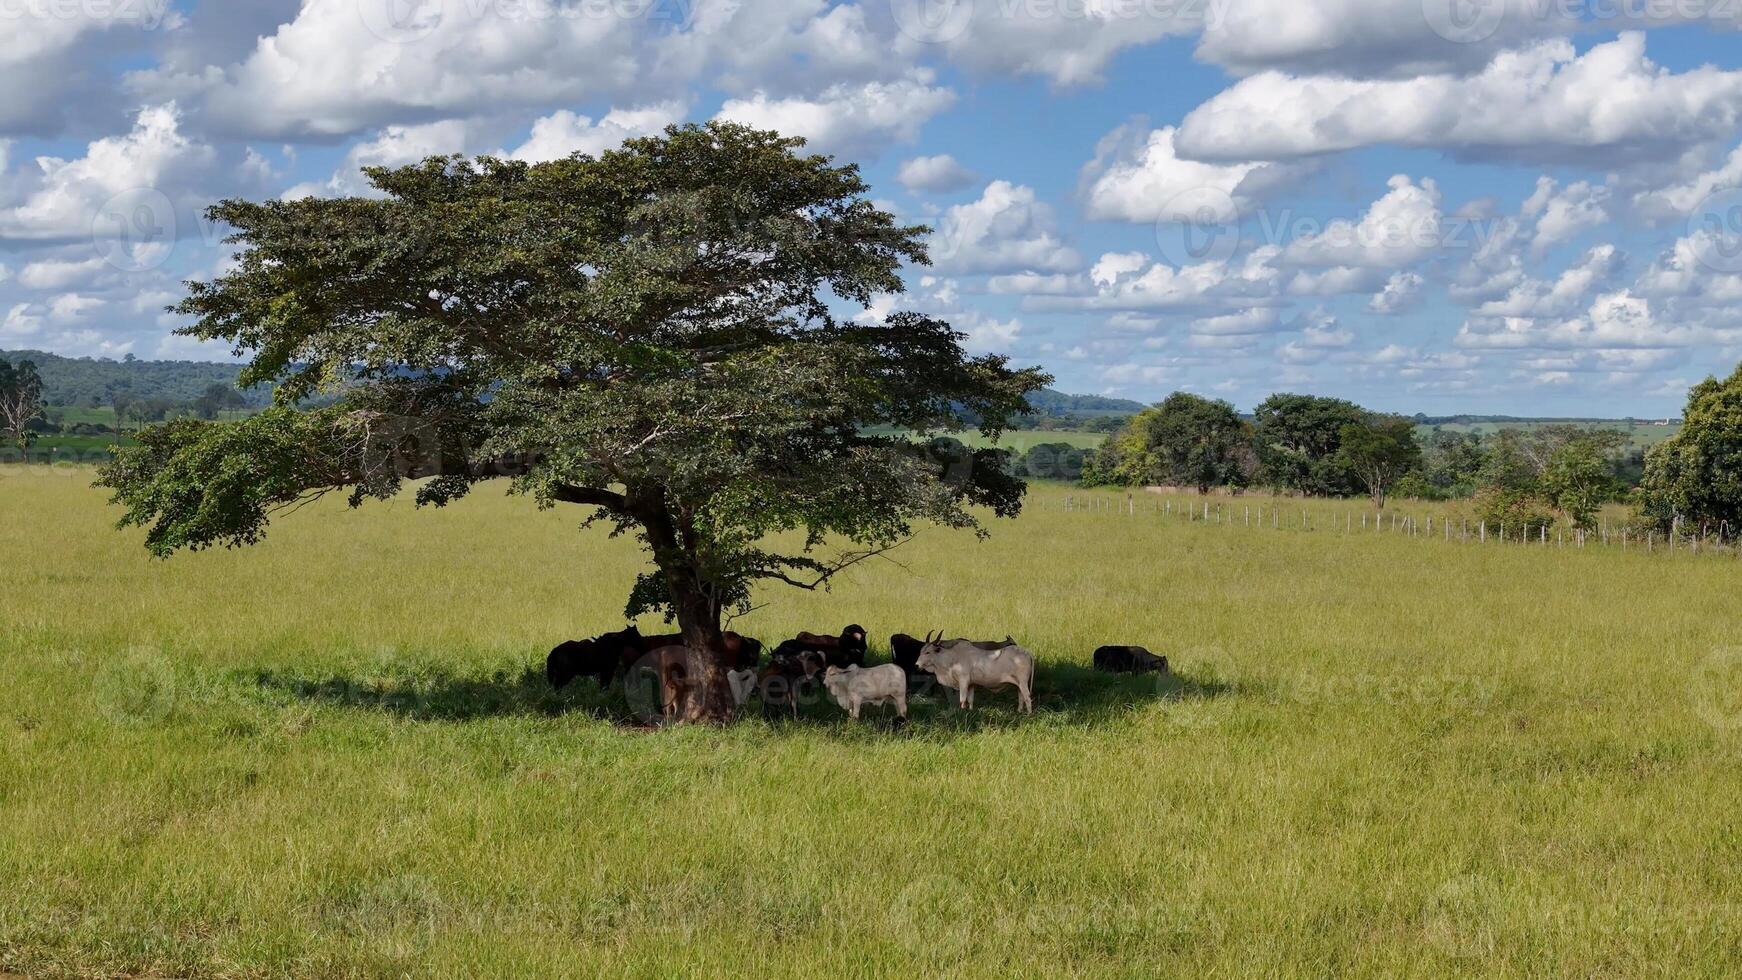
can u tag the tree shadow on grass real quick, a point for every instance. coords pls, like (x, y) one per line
(438, 694)
(1064, 693)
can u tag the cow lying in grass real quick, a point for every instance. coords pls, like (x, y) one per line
(839, 651)
(1129, 660)
(611, 654)
(963, 665)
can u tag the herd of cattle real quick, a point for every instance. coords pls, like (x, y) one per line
(802, 666)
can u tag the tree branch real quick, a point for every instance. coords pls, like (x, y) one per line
(589, 495)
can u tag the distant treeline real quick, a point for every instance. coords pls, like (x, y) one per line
(1521, 478)
(87, 382)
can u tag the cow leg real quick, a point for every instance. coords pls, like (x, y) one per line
(901, 705)
(854, 710)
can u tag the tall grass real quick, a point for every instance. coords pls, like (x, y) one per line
(332, 755)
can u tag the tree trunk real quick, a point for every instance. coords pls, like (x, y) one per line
(707, 696)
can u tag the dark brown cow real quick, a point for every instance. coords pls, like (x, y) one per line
(840, 651)
(789, 680)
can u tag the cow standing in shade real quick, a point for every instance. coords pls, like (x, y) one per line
(963, 665)
(853, 687)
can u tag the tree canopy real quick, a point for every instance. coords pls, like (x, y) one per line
(1185, 440)
(1297, 438)
(1696, 475)
(1379, 450)
(672, 334)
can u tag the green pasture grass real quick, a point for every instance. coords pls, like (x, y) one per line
(332, 755)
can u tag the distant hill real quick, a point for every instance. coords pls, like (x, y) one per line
(1049, 402)
(86, 381)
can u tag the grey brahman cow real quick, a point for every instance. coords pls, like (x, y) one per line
(854, 686)
(963, 665)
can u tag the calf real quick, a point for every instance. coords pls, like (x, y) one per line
(674, 666)
(788, 680)
(840, 651)
(963, 665)
(1129, 660)
(856, 686)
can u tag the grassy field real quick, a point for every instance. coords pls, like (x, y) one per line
(333, 756)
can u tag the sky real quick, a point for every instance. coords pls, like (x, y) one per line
(1527, 207)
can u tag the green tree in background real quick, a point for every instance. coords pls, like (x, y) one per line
(651, 334)
(1696, 475)
(1379, 450)
(1186, 440)
(1297, 438)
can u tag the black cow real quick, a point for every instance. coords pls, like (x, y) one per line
(839, 651)
(1129, 660)
(604, 657)
(598, 658)
(904, 651)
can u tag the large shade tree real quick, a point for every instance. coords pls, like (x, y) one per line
(655, 334)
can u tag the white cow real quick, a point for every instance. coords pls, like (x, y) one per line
(856, 686)
(963, 665)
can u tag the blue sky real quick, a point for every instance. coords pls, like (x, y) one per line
(1489, 206)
